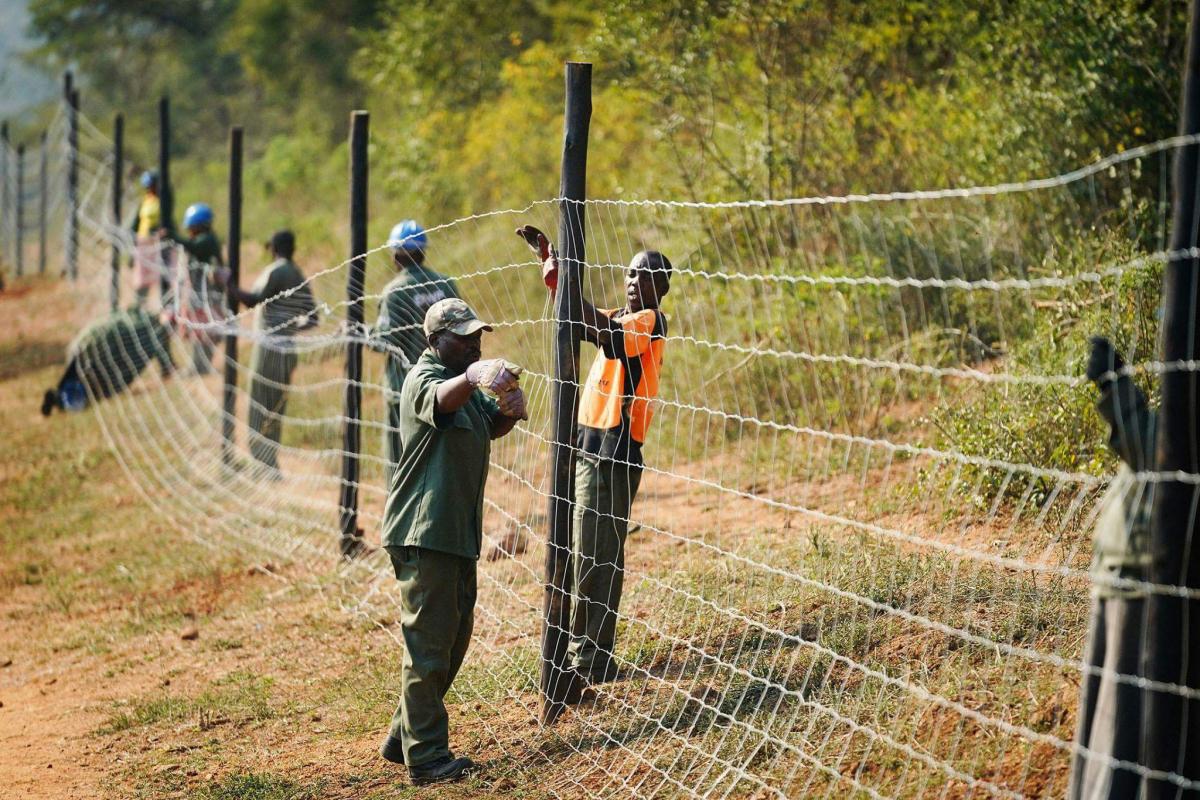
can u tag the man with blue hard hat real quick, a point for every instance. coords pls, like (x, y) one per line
(198, 299)
(398, 329)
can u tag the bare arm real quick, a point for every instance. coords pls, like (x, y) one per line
(598, 328)
(503, 425)
(1133, 425)
(248, 299)
(452, 395)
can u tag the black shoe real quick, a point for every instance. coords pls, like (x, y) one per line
(49, 402)
(392, 749)
(443, 769)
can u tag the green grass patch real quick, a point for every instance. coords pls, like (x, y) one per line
(260, 786)
(238, 697)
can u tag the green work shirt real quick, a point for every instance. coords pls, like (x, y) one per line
(204, 251)
(436, 496)
(398, 329)
(204, 247)
(283, 316)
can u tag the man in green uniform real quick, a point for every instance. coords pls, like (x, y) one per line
(1110, 711)
(433, 524)
(107, 356)
(397, 330)
(197, 300)
(274, 357)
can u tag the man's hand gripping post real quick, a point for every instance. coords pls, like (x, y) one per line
(547, 255)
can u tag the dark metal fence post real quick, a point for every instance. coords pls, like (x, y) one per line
(351, 434)
(1171, 722)
(556, 605)
(235, 268)
(117, 169)
(165, 195)
(19, 215)
(5, 200)
(72, 254)
(43, 204)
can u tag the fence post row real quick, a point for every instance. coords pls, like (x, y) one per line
(564, 392)
(72, 254)
(165, 195)
(43, 189)
(351, 540)
(19, 217)
(229, 396)
(118, 167)
(5, 202)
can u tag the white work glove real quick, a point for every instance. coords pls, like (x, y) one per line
(494, 375)
(512, 404)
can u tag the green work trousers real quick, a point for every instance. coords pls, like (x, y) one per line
(437, 615)
(604, 493)
(202, 355)
(1110, 712)
(271, 374)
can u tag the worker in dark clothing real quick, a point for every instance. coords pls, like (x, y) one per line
(285, 307)
(1110, 705)
(198, 298)
(451, 408)
(397, 330)
(107, 356)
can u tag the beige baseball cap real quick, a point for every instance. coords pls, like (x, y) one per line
(455, 316)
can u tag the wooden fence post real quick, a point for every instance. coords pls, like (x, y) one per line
(351, 541)
(564, 392)
(234, 248)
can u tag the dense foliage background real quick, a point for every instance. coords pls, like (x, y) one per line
(694, 99)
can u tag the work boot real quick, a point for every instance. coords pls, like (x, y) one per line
(49, 402)
(443, 769)
(576, 683)
(392, 749)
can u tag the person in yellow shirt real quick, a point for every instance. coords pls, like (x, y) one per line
(615, 410)
(148, 262)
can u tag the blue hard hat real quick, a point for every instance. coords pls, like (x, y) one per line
(72, 395)
(197, 214)
(149, 178)
(407, 235)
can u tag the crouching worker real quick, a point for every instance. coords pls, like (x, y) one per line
(1110, 711)
(107, 356)
(433, 524)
